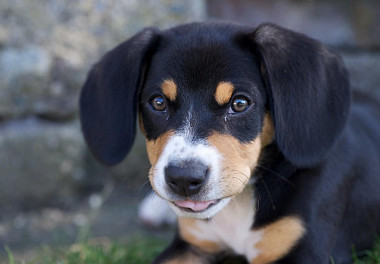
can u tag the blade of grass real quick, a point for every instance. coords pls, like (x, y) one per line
(10, 255)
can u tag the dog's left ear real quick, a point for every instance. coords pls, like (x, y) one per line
(108, 102)
(308, 92)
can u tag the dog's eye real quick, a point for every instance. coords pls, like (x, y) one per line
(158, 103)
(239, 104)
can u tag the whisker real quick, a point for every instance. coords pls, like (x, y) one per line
(144, 188)
(268, 192)
(238, 179)
(241, 173)
(258, 201)
(277, 174)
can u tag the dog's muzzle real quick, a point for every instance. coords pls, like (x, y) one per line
(187, 177)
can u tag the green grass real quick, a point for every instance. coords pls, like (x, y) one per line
(136, 251)
(367, 256)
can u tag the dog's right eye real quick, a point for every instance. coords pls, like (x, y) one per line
(158, 103)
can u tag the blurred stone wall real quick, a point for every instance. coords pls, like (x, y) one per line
(46, 49)
(350, 27)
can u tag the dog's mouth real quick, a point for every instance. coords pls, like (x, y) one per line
(199, 209)
(196, 206)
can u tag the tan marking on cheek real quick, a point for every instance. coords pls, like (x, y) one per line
(169, 89)
(238, 161)
(278, 239)
(150, 177)
(155, 147)
(141, 124)
(189, 229)
(223, 92)
(267, 134)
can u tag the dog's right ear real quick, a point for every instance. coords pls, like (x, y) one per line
(108, 102)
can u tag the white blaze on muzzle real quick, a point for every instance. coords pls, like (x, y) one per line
(179, 149)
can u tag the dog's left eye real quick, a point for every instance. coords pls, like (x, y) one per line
(158, 103)
(239, 104)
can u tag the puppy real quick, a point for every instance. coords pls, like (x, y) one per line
(251, 138)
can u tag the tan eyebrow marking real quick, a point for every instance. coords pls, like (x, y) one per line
(224, 92)
(169, 89)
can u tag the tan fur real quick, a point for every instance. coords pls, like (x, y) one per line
(223, 231)
(141, 124)
(238, 161)
(155, 147)
(188, 227)
(223, 92)
(267, 134)
(278, 239)
(169, 89)
(231, 229)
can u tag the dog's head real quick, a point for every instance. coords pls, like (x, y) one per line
(209, 98)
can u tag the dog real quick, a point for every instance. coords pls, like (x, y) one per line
(254, 136)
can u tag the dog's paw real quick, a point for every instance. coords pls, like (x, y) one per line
(155, 212)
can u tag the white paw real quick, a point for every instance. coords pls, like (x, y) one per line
(155, 212)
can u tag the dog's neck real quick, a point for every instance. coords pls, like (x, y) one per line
(227, 230)
(246, 225)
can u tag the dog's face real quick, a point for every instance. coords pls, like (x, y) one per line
(203, 112)
(210, 98)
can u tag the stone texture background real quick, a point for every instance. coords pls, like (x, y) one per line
(350, 27)
(47, 47)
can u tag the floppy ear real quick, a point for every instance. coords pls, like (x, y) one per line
(308, 92)
(108, 101)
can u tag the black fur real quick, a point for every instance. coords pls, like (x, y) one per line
(210, 56)
(324, 164)
(308, 90)
(108, 104)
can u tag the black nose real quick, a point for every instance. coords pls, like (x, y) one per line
(186, 178)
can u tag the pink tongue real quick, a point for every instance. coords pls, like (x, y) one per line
(195, 206)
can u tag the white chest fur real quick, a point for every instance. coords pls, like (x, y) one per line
(230, 229)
